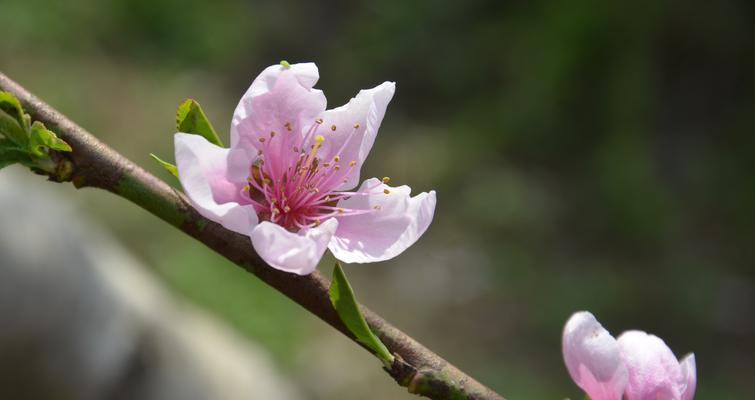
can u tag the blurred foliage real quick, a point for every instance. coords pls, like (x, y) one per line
(587, 155)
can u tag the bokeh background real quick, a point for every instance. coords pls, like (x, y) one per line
(586, 154)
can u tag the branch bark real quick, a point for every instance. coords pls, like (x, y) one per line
(94, 164)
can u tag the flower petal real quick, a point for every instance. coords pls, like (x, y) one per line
(297, 253)
(592, 357)
(654, 372)
(367, 110)
(386, 232)
(689, 376)
(203, 172)
(279, 99)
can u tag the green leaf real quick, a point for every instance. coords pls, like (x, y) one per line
(11, 155)
(11, 129)
(168, 166)
(191, 119)
(41, 139)
(342, 297)
(10, 104)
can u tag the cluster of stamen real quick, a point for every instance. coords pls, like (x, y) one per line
(290, 185)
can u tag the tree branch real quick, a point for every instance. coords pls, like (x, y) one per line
(93, 164)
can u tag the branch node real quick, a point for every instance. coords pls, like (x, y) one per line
(401, 371)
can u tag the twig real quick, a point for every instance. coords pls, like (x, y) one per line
(93, 164)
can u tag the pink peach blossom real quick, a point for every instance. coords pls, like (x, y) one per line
(288, 179)
(637, 366)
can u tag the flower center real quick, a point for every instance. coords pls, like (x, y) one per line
(291, 185)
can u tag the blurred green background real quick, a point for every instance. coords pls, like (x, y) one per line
(586, 154)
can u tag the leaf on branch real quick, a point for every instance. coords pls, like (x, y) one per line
(23, 142)
(11, 129)
(11, 155)
(168, 166)
(342, 297)
(11, 106)
(41, 138)
(191, 119)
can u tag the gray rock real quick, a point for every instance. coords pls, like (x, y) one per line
(81, 319)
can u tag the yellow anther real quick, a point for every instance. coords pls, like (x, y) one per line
(276, 211)
(319, 120)
(333, 127)
(386, 179)
(337, 167)
(356, 126)
(272, 134)
(262, 140)
(340, 210)
(266, 181)
(327, 198)
(288, 126)
(286, 209)
(317, 222)
(386, 191)
(318, 141)
(326, 165)
(352, 163)
(247, 188)
(336, 158)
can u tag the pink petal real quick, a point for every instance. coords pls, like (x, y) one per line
(367, 110)
(384, 233)
(689, 376)
(287, 251)
(592, 357)
(306, 73)
(654, 372)
(203, 172)
(277, 97)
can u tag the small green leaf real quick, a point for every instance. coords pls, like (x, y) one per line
(342, 297)
(11, 155)
(11, 129)
(41, 139)
(168, 166)
(191, 119)
(10, 104)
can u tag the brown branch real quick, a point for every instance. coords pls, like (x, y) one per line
(93, 164)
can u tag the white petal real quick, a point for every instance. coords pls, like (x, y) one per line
(203, 172)
(297, 253)
(306, 73)
(592, 357)
(385, 232)
(689, 377)
(654, 371)
(277, 97)
(367, 110)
